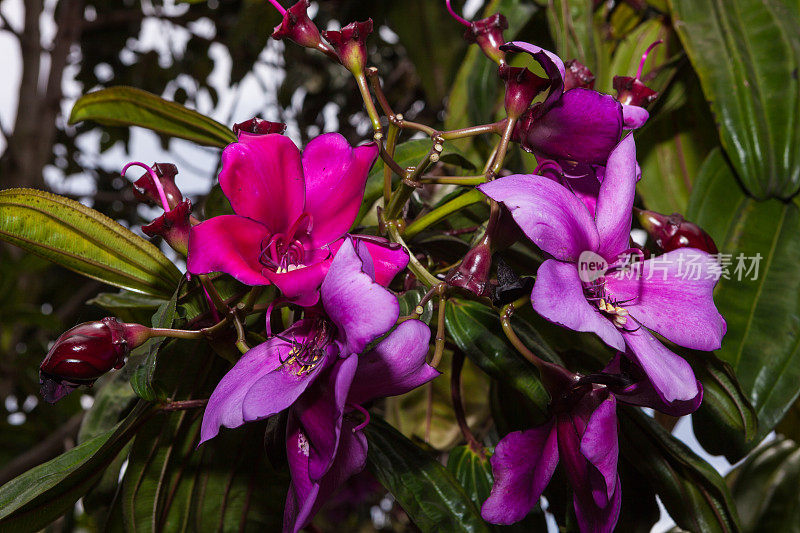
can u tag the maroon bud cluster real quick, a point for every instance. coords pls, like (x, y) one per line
(173, 226)
(258, 126)
(578, 75)
(631, 91)
(350, 44)
(673, 232)
(522, 86)
(146, 191)
(86, 352)
(488, 34)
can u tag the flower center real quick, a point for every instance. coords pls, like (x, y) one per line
(305, 356)
(285, 252)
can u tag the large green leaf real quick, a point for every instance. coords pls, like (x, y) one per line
(577, 30)
(84, 240)
(32, 500)
(422, 486)
(127, 106)
(763, 339)
(747, 55)
(765, 488)
(693, 492)
(476, 330)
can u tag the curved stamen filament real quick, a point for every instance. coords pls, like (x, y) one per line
(161, 194)
(364, 412)
(644, 57)
(456, 16)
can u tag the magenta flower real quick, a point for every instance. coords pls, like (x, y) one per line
(670, 294)
(317, 369)
(292, 212)
(583, 434)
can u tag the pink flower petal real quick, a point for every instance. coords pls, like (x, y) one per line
(230, 244)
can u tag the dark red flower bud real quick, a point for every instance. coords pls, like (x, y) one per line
(472, 274)
(258, 126)
(631, 91)
(86, 352)
(173, 226)
(145, 190)
(350, 45)
(522, 86)
(578, 75)
(297, 27)
(488, 33)
(673, 232)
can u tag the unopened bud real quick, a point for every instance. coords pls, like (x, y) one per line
(173, 226)
(631, 91)
(84, 353)
(145, 189)
(673, 232)
(522, 86)
(350, 45)
(258, 126)
(472, 274)
(578, 75)
(296, 26)
(488, 34)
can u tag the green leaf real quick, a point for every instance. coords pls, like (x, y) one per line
(476, 330)
(409, 301)
(762, 344)
(34, 499)
(765, 488)
(430, 495)
(578, 33)
(628, 54)
(407, 154)
(128, 306)
(747, 55)
(127, 106)
(693, 492)
(84, 240)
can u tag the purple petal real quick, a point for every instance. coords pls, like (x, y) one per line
(550, 62)
(276, 390)
(558, 296)
(596, 519)
(641, 392)
(320, 412)
(633, 116)
(230, 244)
(335, 176)
(361, 309)
(388, 258)
(262, 176)
(226, 402)
(549, 214)
(615, 201)
(522, 464)
(600, 447)
(672, 294)
(672, 377)
(583, 125)
(396, 365)
(305, 496)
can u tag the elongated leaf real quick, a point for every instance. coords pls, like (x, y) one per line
(128, 306)
(81, 239)
(477, 332)
(127, 106)
(763, 340)
(765, 488)
(424, 488)
(694, 494)
(577, 30)
(40, 495)
(747, 55)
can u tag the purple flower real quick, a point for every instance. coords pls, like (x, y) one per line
(670, 294)
(583, 435)
(578, 125)
(292, 211)
(319, 370)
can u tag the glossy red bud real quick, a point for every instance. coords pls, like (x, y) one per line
(578, 75)
(173, 226)
(258, 126)
(488, 34)
(145, 190)
(472, 274)
(631, 91)
(673, 232)
(522, 86)
(350, 44)
(298, 27)
(86, 352)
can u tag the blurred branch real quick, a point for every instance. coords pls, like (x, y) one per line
(44, 451)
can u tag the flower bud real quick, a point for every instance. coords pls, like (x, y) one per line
(146, 191)
(86, 352)
(173, 226)
(297, 27)
(488, 33)
(472, 274)
(578, 75)
(522, 86)
(258, 126)
(350, 45)
(631, 91)
(673, 232)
